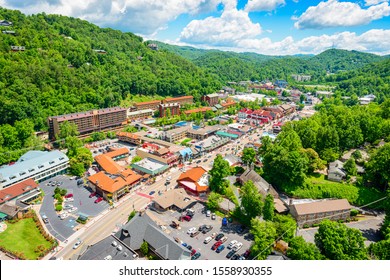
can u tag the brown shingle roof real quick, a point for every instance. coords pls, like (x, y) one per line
(177, 197)
(322, 206)
(17, 190)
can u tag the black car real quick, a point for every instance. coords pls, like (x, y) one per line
(195, 256)
(189, 247)
(236, 257)
(198, 161)
(219, 236)
(189, 213)
(202, 227)
(240, 229)
(230, 254)
(207, 229)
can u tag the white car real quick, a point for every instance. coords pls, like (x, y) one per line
(207, 239)
(191, 230)
(77, 244)
(64, 216)
(72, 209)
(232, 243)
(208, 213)
(237, 246)
(69, 199)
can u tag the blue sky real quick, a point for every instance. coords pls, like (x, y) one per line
(274, 27)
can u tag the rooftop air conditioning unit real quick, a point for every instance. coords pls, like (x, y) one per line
(114, 243)
(119, 248)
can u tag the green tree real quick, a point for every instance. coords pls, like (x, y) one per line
(269, 208)
(264, 234)
(357, 155)
(218, 173)
(350, 167)
(131, 215)
(248, 156)
(213, 200)
(72, 143)
(338, 242)
(299, 249)
(75, 167)
(67, 129)
(136, 159)
(315, 162)
(144, 248)
(377, 167)
(251, 201)
(285, 226)
(380, 250)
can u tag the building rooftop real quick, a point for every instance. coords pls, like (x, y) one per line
(113, 183)
(107, 163)
(30, 164)
(134, 113)
(197, 110)
(150, 164)
(78, 115)
(321, 206)
(173, 99)
(128, 134)
(147, 102)
(176, 197)
(17, 190)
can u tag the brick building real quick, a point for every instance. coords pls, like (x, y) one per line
(173, 107)
(211, 99)
(181, 100)
(147, 105)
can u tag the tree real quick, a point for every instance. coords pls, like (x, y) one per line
(131, 215)
(75, 167)
(136, 159)
(248, 156)
(315, 162)
(84, 156)
(67, 129)
(144, 248)
(264, 234)
(213, 200)
(299, 249)
(218, 173)
(350, 167)
(269, 208)
(357, 155)
(251, 200)
(380, 250)
(338, 242)
(72, 143)
(377, 167)
(285, 226)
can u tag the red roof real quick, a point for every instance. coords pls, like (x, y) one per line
(17, 189)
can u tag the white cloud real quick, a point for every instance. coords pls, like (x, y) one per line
(233, 25)
(374, 2)
(139, 16)
(374, 41)
(263, 5)
(333, 14)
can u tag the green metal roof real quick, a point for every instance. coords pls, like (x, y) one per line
(2, 215)
(225, 134)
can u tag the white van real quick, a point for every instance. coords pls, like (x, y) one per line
(207, 240)
(232, 243)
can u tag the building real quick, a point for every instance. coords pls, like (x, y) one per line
(4, 22)
(262, 116)
(17, 190)
(276, 111)
(233, 160)
(90, 121)
(241, 128)
(314, 212)
(176, 199)
(11, 32)
(301, 78)
(281, 83)
(211, 99)
(211, 143)
(174, 109)
(153, 47)
(202, 110)
(195, 180)
(181, 100)
(18, 48)
(287, 109)
(159, 153)
(37, 165)
(202, 133)
(107, 161)
(336, 172)
(176, 134)
(244, 113)
(141, 114)
(262, 185)
(227, 105)
(153, 105)
(277, 127)
(129, 138)
(113, 186)
(226, 134)
(323, 93)
(150, 166)
(100, 51)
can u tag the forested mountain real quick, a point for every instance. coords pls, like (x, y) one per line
(373, 78)
(231, 66)
(59, 71)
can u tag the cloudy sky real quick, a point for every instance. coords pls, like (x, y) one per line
(274, 27)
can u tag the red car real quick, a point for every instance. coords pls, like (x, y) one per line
(216, 245)
(98, 199)
(193, 252)
(92, 194)
(186, 218)
(69, 195)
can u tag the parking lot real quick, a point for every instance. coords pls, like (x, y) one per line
(197, 242)
(62, 229)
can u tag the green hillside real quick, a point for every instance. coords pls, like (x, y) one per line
(59, 71)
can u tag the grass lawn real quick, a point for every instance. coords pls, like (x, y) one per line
(316, 187)
(185, 141)
(23, 237)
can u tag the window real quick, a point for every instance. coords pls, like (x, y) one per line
(12, 177)
(40, 166)
(31, 170)
(22, 173)
(51, 162)
(61, 158)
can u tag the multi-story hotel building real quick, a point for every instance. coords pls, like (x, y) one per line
(90, 121)
(173, 107)
(181, 100)
(147, 105)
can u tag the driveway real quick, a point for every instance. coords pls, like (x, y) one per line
(63, 229)
(369, 227)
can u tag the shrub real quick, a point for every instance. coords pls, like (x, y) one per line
(354, 212)
(57, 196)
(63, 192)
(58, 207)
(306, 226)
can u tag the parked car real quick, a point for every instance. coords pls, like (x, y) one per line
(67, 206)
(220, 248)
(186, 218)
(247, 253)
(213, 234)
(213, 216)
(152, 193)
(69, 195)
(207, 239)
(232, 243)
(237, 246)
(72, 209)
(189, 247)
(230, 254)
(193, 234)
(219, 236)
(92, 194)
(77, 244)
(240, 229)
(235, 257)
(216, 245)
(196, 256)
(63, 215)
(184, 244)
(208, 213)
(191, 230)
(223, 239)
(45, 219)
(207, 229)
(69, 199)
(193, 251)
(177, 239)
(99, 199)
(202, 227)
